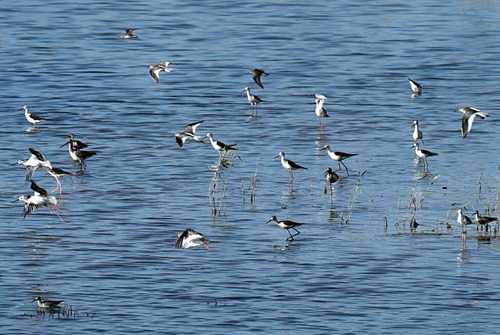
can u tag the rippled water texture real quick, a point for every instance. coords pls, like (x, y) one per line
(356, 267)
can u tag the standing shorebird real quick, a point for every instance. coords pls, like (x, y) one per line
(78, 155)
(190, 238)
(39, 198)
(331, 177)
(219, 146)
(469, 115)
(129, 34)
(286, 224)
(422, 153)
(77, 145)
(463, 220)
(32, 117)
(252, 99)
(47, 304)
(33, 162)
(484, 220)
(289, 165)
(338, 156)
(155, 69)
(189, 133)
(256, 76)
(417, 133)
(319, 110)
(416, 88)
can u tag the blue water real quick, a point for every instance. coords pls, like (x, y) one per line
(356, 267)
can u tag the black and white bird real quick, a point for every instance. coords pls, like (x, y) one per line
(469, 115)
(256, 76)
(77, 145)
(32, 117)
(463, 220)
(252, 99)
(79, 155)
(35, 161)
(422, 153)
(338, 156)
(47, 304)
(484, 220)
(189, 133)
(190, 238)
(417, 133)
(219, 146)
(286, 224)
(289, 165)
(416, 88)
(319, 110)
(155, 69)
(129, 33)
(39, 198)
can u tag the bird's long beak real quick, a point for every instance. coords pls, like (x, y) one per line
(269, 221)
(33, 300)
(276, 156)
(322, 149)
(64, 144)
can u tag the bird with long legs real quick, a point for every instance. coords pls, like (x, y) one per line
(319, 110)
(484, 220)
(463, 220)
(417, 133)
(58, 174)
(39, 198)
(338, 156)
(79, 155)
(286, 224)
(253, 100)
(331, 177)
(36, 160)
(289, 165)
(422, 153)
(32, 118)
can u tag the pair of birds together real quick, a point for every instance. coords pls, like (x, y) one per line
(191, 238)
(464, 220)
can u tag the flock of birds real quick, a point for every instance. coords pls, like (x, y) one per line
(189, 237)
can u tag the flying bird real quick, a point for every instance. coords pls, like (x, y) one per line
(256, 76)
(469, 115)
(189, 133)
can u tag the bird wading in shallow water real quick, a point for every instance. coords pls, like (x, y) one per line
(32, 117)
(417, 133)
(286, 224)
(331, 177)
(422, 153)
(289, 165)
(338, 156)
